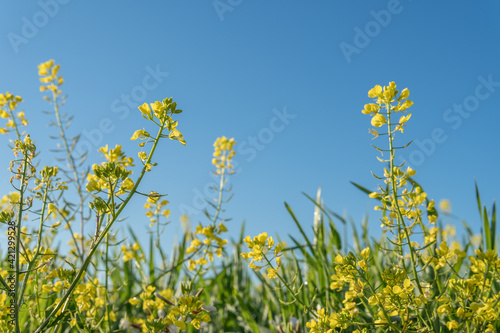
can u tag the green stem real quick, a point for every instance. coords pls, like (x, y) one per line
(219, 204)
(386, 315)
(106, 283)
(395, 200)
(216, 216)
(18, 239)
(305, 306)
(16, 127)
(396, 205)
(72, 163)
(92, 250)
(32, 262)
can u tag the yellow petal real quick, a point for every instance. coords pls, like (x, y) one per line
(375, 91)
(145, 110)
(404, 94)
(378, 120)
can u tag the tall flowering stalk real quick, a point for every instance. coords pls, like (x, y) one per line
(398, 200)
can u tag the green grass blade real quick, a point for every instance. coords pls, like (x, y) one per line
(151, 261)
(487, 231)
(493, 226)
(136, 240)
(355, 236)
(242, 232)
(478, 199)
(336, 240)
(309, 244)
(364, 189)
(246, 314)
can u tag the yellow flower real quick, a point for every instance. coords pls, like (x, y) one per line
(443, 309)
(405, 93)
(134, 301)
(271, 273)
(223, 154)
(127, 185)
(47, 288)
(371, 108)
(375, 92)
(378, 120)
(51, 209)
(365, 253)
(142, 134)
(405, 105)
(362, 264)
(445, 206)
(92, 185)
(146, 111)
(452, 325)
(338, 259)
(404, 119)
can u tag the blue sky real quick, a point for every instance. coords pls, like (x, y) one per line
(286, 79)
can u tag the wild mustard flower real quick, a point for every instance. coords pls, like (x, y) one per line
(8, 105)
(213, 243)
(260, 247)
(155, 208)
(48, 77)
(161, 112)
(113, 174)
(445, 206)
(223, 154)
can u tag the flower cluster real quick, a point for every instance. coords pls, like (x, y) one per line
(90, 299)
(131, 252)
(8, 105)
(400, 196)
(48, 76)
(112, 175)
(212, 240)
(223, 154)
(388, 95)
(162, 112)
(259, 247)
(166, 315)
(155, 208)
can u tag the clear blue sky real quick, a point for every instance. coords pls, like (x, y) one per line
(233, 66)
